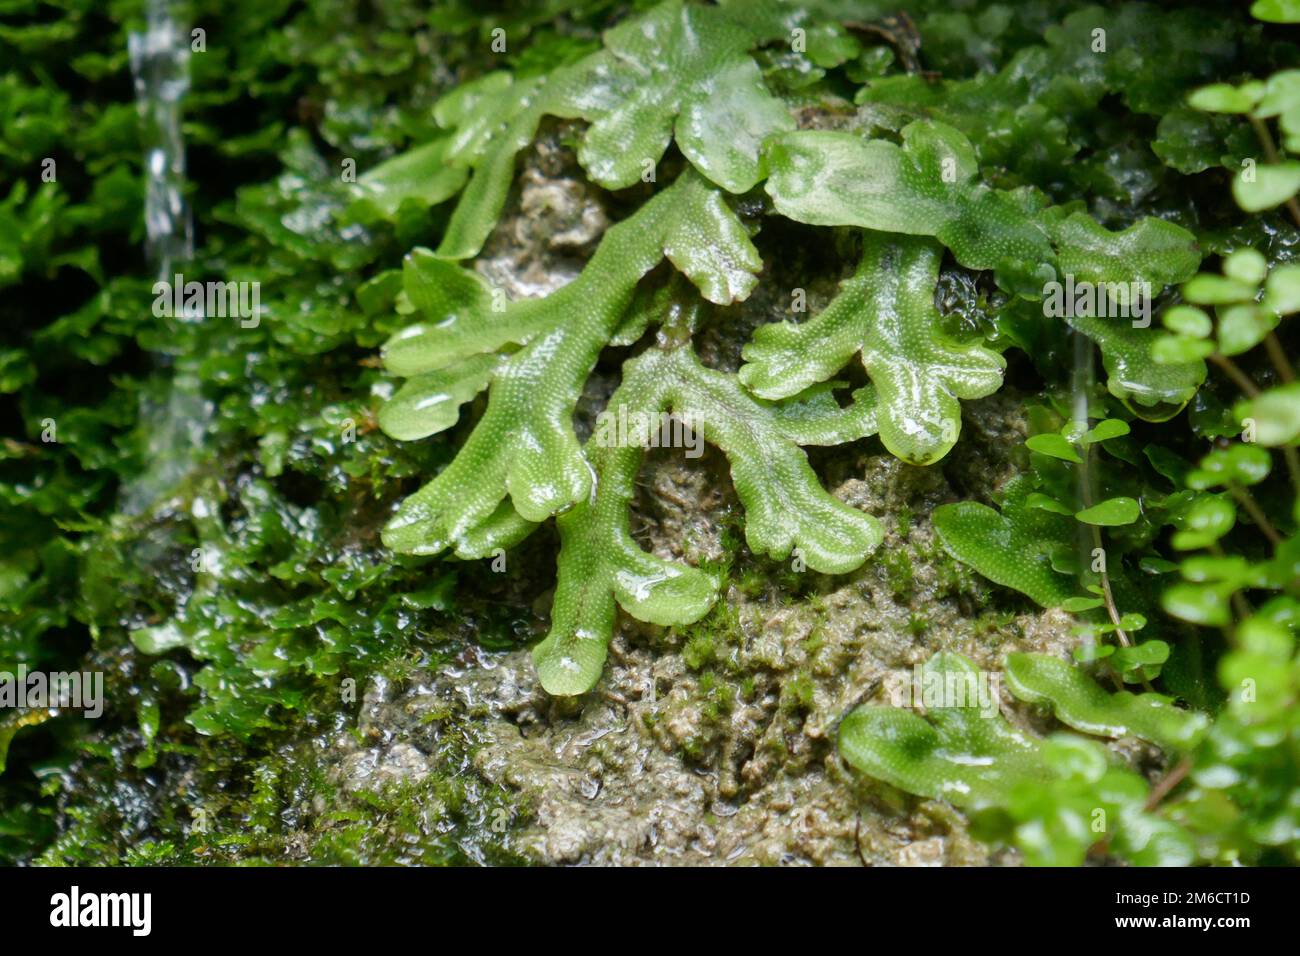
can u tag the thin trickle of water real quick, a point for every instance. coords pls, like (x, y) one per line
(1081, 382)
(160, 59)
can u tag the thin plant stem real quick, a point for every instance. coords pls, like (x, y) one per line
(1278, 357)
(1247, 501)
(1239, 603)
(1083, 358)
(1275, 350)
(1270, 152)
(1251, 390)
(1234, 372)
(1292, 459)
(1167, 783)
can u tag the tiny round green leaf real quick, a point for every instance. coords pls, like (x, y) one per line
(1110, 513)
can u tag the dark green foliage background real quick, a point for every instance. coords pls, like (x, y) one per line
(176, 436)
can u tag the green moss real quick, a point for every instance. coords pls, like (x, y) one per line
(698, 650)
(748, 689)
(797, 693)
(719, 697)
(899, 573)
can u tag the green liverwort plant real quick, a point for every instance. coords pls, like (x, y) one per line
(1053, 798)
(683, 71)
